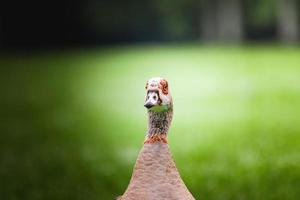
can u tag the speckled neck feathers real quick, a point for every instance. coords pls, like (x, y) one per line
(155, 176)
(159, 122)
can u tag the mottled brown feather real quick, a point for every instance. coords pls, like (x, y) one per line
(155, 176)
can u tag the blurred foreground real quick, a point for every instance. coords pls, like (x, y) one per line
(72, 123)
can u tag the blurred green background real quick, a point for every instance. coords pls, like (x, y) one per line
(72, 82)
(74, 132)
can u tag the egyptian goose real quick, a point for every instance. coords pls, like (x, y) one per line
(155, 176)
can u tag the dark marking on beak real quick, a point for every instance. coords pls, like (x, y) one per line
(148, 105)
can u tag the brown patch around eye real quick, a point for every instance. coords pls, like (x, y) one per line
(163, 85)
(159, 101)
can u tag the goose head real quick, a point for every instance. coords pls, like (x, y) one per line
(158, 97)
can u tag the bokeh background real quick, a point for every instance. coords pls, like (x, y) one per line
(72, 78)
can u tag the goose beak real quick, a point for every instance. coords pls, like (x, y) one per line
(148, 105)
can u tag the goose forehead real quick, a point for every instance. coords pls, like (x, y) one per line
(154, 82)
(152, 93)
(155, 79)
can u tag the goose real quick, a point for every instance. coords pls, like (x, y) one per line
(155, 175)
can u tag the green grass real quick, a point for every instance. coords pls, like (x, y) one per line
(72, 122)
